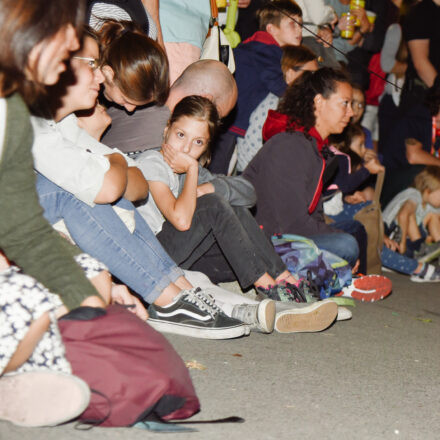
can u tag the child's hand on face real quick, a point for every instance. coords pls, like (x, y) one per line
(369, 155)
(179, 162)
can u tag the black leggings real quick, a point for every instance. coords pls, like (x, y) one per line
(233, 229)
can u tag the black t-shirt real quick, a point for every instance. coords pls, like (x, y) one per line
(424, 24)
(386, 14)
(416, 124)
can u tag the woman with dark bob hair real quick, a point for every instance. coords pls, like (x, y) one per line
(288, 172)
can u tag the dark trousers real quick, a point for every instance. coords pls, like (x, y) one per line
(234, 232)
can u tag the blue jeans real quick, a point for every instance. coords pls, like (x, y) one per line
(137, 258)
(340, 243)
(398, 262)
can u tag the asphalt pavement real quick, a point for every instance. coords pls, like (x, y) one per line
(373, 377)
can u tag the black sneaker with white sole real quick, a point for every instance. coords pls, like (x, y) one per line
(194, 313)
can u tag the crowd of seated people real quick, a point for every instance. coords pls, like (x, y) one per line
(121, 185)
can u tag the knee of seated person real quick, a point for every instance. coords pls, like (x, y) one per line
(213, 200)
(351, 248)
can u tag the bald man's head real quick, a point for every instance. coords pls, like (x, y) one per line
(208, 78)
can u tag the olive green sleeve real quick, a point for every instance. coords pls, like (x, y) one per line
(26, 237)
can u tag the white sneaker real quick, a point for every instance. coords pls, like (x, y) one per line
(260, 316)
(343, 314)
(42, 398)
(305, 317)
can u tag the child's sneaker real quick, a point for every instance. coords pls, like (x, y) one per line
(194, 313)
(368, 288)
(260, 316)
(428, 274)
(42, 398)
(284, 292)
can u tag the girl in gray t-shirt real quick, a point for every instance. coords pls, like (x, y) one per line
(190, 222)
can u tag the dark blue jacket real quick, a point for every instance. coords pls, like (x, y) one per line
(258, 72)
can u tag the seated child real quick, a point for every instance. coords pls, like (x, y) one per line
(348, 179)
(295, 60)
(258, 71)
(416, 211)
(189, 223)
(355, 165)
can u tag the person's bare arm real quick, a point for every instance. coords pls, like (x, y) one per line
(152, 6)
(115, 180)
(137, 186)
(399, 68)
(419, 50)
(365, 27)
(416, 155)
(179, 212)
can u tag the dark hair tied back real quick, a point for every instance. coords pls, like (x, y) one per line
(298, 100)
(139, 64)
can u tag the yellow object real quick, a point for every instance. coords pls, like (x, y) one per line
(348, 33)
(221, 4)
(356, 4)
(371, 16)
(232, 36)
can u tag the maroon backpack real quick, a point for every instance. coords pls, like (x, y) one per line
(133, 371)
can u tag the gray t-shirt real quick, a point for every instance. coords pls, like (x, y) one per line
(156, 169)
(137, 131)
(392, 210)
